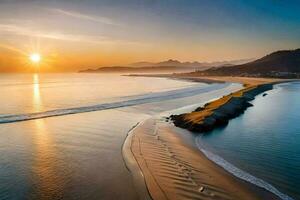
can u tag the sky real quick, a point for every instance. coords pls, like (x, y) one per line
(72, 34)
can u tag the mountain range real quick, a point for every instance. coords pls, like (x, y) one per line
(284, 64)
(176, 63)
(164, 66)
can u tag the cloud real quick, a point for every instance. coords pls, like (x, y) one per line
(78, 15)
(26, 31)
(11, 48)
(15, 29)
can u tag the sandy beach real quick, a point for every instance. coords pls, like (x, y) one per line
(215, 79)
(173, 168)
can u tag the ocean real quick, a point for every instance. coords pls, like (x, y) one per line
(61, 135)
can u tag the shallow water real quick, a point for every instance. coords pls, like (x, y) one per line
(79, 156)
(264, 141)
(30, 93)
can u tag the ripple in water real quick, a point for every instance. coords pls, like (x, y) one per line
(262, 146)
(242, 174)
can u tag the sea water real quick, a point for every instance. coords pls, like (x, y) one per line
(61, 135)
(263, 144)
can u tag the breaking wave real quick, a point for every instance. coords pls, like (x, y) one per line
(136, 100)
(240, 173)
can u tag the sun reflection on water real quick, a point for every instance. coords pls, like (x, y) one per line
(37, 100)
(45, 167)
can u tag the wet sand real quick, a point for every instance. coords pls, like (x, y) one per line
(215, 79)
(174, 168)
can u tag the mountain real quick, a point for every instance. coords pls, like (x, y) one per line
(230, 62)
(170, 62)
(168, 66)
(284, 63)
(125, 69)
(142, 64)
(177, 63)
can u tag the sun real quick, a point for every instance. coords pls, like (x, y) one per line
(35, 57)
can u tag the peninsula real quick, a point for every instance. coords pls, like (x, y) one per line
(219, 112)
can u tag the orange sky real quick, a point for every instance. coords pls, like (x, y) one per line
(73, 36)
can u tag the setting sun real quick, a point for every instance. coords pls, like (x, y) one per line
(35, 57)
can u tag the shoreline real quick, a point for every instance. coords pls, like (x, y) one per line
(178, 77)
(150, 151)
(215, 79)
(219, 112)
(129, 160)
(174, 168)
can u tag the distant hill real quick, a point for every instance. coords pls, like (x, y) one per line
(174, 63)
(189, 64)
(168, 66)
(125, 69)
(278, 64)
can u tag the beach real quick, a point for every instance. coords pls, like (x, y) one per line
(175, 169)
(172, 165)
(213, 79)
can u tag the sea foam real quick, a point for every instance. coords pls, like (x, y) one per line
(136, 100)
(240, 173)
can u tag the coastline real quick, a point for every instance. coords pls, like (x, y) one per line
(180, 77)
(171, 168)
(215, 79)
(219, 112)
(130, 161)
(174, 168)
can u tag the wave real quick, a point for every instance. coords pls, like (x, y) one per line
(137, 100)
(242, 174)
